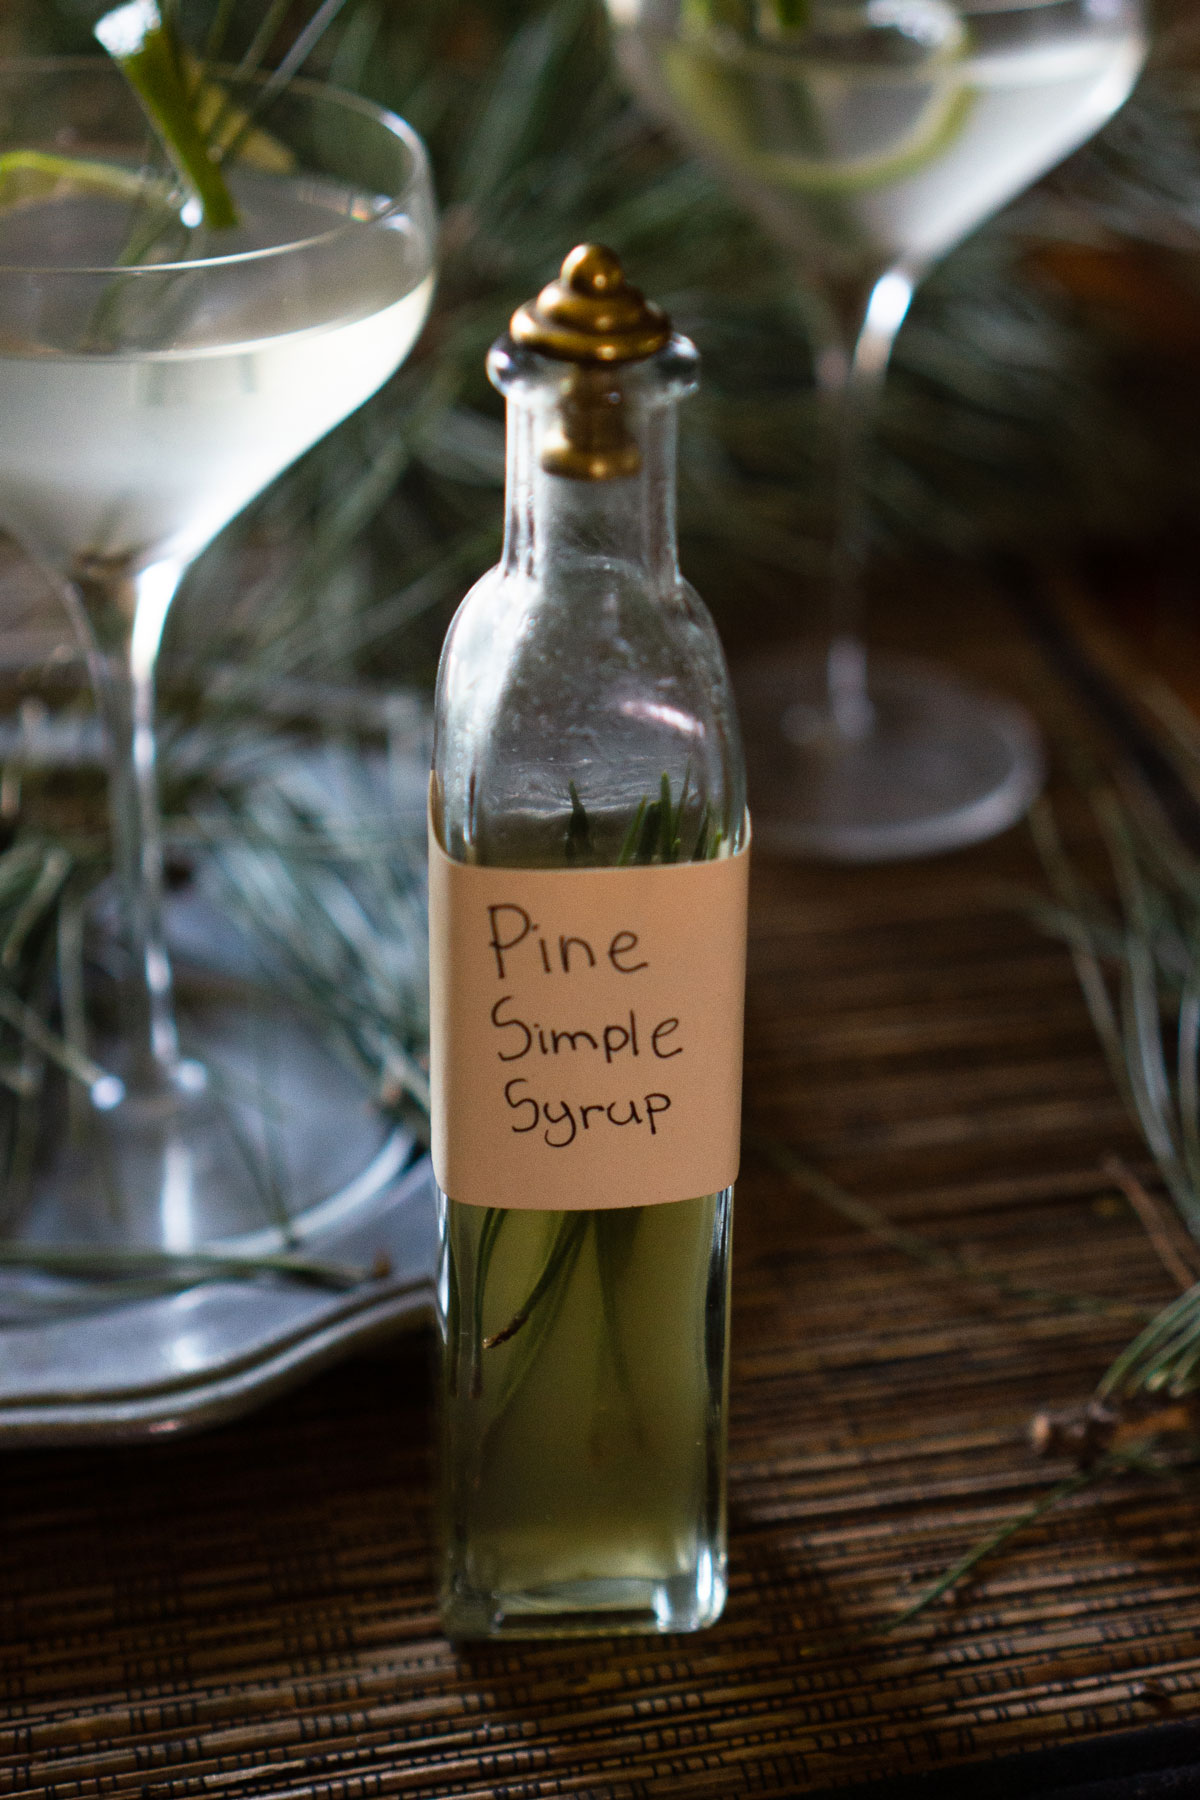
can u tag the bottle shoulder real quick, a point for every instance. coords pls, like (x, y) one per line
(601, 604)
(590, 695)
(595, 632)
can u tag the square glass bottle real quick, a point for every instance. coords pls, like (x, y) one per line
(584, 722)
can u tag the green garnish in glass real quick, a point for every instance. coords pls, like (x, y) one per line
(146, 51)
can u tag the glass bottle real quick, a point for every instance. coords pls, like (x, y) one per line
(584, 721)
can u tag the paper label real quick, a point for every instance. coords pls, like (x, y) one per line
(586, 1031)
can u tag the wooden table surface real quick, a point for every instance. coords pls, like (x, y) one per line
(250, 1611)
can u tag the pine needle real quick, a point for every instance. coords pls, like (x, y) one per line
(921, 1249)
(996, 1540)
(184, 1270)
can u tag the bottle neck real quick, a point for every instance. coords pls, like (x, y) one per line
(553, 521)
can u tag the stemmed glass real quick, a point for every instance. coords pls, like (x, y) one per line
(154, 376)
(870, 136)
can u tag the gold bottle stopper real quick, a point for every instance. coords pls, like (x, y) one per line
(592, 319)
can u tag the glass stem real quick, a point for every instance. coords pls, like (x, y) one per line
(851, 370)
(120, 615)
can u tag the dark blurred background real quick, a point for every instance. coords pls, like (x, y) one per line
(1045, 397)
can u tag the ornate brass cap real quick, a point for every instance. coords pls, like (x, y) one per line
(591, 314)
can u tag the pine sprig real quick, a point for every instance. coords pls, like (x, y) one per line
(1137, 956)
(161, 1271)
(1138, 964)
(143, 40)
(1136, 951)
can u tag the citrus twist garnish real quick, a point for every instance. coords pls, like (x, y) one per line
(139, 43)
(29, 175)
(717, 75)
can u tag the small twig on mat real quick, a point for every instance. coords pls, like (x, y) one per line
(1086, 1433)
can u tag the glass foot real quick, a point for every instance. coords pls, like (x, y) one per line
(262, 1139)
(931, 765)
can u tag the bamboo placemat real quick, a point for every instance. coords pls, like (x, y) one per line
(249, 1612)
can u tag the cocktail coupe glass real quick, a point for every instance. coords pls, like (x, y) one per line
(154, 377)
(870, 136)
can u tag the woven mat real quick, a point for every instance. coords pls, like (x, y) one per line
(249, 1612)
